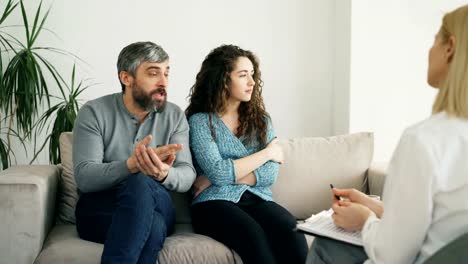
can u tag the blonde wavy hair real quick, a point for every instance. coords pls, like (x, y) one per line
(453, 94)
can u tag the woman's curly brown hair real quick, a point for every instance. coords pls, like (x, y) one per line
(211, 92)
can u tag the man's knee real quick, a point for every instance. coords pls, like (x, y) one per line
(137, 190)
(140, 182)
(143, 185)
(159, 229)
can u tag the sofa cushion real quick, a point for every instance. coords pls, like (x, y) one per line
(68, 191)
(312, 164)
(64, 246)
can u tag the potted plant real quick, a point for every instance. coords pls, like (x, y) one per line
(27, 78)
(63, 115)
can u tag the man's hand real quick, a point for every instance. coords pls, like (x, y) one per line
(201, 183)
(154, 162)
(361, 198)
(150, 164)
(350, 216)
(164, 152)
(132, 161)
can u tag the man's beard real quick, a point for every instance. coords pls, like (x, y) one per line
(146, 102)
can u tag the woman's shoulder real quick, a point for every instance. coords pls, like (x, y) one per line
(437, 126)
(199, 120)
(198, 117)
(269, 123)
(437, 133)
(420, 131)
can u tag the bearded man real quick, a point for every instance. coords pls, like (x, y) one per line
(129, 150)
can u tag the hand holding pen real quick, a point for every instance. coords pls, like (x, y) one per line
(348, 214)
(355, 196)
(337, 197)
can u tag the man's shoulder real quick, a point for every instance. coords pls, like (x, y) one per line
(98, 110)
(172, 111)
(172, 108)
(103, 101)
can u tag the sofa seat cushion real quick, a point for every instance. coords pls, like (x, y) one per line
(64, 246)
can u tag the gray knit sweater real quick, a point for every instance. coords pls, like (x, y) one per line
(105, 134)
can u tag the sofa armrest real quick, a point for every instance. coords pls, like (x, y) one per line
(27, 203)
(376, 177)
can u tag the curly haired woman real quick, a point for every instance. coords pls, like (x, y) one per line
(237, 157)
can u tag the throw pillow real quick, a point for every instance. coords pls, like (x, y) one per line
(68, 192)
(312, 164)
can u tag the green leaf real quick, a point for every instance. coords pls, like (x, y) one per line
(4, 157)
(8, 9)
(36, 30)
(25, 21)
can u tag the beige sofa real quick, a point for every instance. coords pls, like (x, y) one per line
(37, 202)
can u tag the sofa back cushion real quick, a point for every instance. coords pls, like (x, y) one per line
(68, 191)
(312, 164)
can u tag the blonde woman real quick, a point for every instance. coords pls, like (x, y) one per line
(426, 190)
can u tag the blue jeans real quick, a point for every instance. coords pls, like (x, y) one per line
(132, 220)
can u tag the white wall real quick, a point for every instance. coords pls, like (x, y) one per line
(341, 68)
(295, 41)
(389, 46)
(330, 67)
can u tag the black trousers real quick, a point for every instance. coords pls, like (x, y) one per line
(259, 231)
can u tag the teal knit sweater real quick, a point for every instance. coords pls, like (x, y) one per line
(214, 159)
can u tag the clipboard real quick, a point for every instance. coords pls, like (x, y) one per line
(322, 224)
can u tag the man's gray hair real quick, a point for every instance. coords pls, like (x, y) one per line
(133, 55)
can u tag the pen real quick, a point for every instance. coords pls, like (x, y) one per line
(336, 196)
